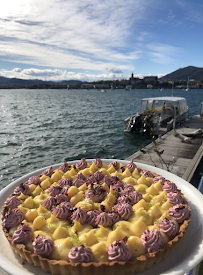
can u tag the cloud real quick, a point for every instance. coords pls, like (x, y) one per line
(162, 21)
(161, 75)
(192, 10)
(57, 75)
(171, 15)
(70, 34)
(114, 70)
(47, 56)
(162, 53)
(161, 58)
(94, 37)
(141, 36)
(41, 73)
(16, 70)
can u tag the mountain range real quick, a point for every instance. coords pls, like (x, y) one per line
(190, 72)
(5, 81)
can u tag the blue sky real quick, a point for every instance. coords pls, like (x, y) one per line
(99, 40)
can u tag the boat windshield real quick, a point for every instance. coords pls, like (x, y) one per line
(183, 106)
(143, 106)
(157, 104)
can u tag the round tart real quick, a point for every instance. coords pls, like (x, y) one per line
(92, 217)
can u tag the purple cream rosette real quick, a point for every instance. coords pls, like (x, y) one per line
(119, 251)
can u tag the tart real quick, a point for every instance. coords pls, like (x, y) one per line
(91, 218)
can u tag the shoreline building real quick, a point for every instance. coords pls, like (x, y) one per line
(134, 80)
(150, 79)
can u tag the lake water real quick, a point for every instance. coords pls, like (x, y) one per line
(39, 128)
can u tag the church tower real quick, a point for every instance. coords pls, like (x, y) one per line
(132, 79)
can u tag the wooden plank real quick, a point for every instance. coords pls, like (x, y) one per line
(193, 165)
(180, 157)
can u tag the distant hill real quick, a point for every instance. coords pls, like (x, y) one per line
(5, 81)
(16, 81)
(68, 82)
(183, 74)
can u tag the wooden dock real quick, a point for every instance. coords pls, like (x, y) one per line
(181, 157)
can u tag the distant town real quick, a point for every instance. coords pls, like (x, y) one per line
(184, 78)
(148, 82)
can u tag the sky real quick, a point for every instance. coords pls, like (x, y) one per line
(92, 40)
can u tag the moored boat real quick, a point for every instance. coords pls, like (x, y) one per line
(156, 115)
(128, 87)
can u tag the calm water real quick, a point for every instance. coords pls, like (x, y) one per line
(42, 127)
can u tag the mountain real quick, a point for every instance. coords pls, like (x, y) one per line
(68, 82)
(4, 81)
(183, 74)
(16, 81)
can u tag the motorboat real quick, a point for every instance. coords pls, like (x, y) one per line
(128, 87)
(156, 115)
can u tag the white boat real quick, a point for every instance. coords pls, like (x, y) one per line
(128, 87)
(156, 115)
(102, 90)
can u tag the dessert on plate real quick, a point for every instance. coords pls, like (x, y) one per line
(92, 217)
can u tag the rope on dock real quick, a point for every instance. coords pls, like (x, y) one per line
(182, 137)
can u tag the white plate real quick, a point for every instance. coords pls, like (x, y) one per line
(183, 258)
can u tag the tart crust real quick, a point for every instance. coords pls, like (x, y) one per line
(132, 266)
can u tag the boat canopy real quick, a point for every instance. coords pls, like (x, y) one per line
(164, 98)
(159, 102)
